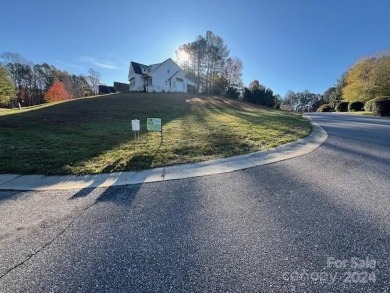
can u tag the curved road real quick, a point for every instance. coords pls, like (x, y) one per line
(315, 223)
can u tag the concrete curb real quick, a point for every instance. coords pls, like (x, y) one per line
(291, 150)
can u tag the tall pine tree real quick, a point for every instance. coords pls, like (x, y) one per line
(7, 88)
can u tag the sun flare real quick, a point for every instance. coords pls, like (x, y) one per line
(183, 57)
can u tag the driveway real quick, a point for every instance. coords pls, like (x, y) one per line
(316, 223)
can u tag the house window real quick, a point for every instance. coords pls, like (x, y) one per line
(168, 71)
(174, 84)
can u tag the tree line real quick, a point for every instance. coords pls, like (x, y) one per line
(208, 63)
(31, 82)
(305, 101)
(367, 79)
(365, 86)
(257, 93)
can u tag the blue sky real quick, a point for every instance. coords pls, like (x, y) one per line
(285, 44)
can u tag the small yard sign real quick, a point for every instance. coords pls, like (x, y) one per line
(135, 126)
(154, 124)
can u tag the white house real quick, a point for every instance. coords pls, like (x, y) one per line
(162, 77)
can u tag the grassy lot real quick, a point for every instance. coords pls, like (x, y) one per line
(93, 135)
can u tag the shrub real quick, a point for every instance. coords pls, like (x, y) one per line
(248, 97)
(355, 106)
(325, 108)
(342, 107)
(368, 106)
(381, 106)
(232, 93)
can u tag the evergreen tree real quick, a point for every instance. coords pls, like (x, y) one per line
(7, 88)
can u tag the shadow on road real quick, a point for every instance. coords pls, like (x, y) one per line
(258, 230)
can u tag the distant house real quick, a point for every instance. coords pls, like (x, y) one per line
(121, 87)
(105, 89)
(162, 77)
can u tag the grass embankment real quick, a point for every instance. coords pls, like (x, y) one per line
(93, 135)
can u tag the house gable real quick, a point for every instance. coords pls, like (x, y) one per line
(135, 76)
(168, 64)
(161, 77)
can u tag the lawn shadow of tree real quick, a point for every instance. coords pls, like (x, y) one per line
(78, 137)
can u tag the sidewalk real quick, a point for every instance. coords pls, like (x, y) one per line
(284, 152)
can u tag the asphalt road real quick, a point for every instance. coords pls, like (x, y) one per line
(315, 223)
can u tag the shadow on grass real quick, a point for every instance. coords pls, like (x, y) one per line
(218, 106)
(67, 137)
(142, 160)
(227, 141)
(71, 133)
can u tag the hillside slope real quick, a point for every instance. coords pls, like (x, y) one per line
(93, 135)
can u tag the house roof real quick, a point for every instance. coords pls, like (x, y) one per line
(150, 68)
(158, 65)
(137, 67)
(154, 66)
(174, 74)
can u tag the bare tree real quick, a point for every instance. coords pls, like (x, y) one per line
(94, 80)
(10, 57)
(204, 60)
(217, 53)
(233, 71)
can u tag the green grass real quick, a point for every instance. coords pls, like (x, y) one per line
(93, 135)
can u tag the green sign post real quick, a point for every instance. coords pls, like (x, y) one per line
(154, 124)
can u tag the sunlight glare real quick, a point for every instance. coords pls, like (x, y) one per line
(183, 57)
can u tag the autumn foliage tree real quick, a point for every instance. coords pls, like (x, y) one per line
(367, 79)
(31, 81)
(57, 92)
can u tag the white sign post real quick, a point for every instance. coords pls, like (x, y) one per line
(136, 127)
